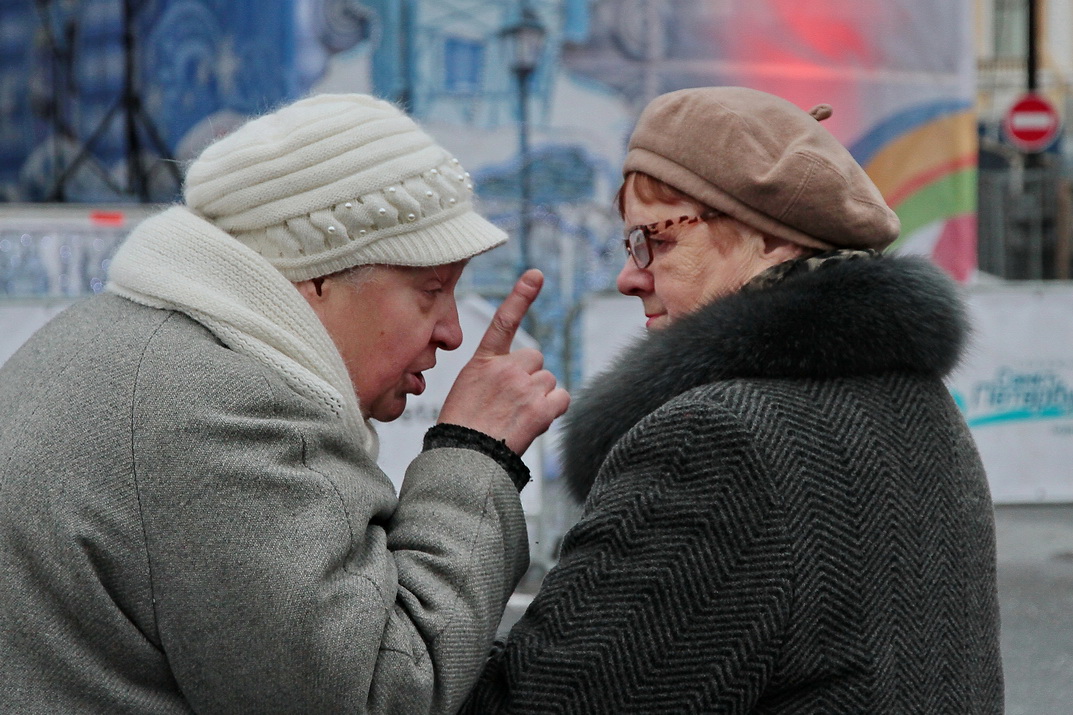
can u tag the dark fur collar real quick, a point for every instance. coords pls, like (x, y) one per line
(848, 318)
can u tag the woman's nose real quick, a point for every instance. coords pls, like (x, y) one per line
(633, 280)
(449, 331)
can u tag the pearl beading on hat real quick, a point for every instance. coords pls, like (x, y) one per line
(413, 202)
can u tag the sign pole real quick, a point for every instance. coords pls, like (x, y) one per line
(1032, 63)
(1033, 160)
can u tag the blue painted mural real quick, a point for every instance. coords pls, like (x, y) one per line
(163, 76)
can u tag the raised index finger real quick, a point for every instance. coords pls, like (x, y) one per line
(509, 315)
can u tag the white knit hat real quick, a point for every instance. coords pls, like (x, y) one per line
(335, 181)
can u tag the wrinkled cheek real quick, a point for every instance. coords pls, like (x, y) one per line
(684, 297)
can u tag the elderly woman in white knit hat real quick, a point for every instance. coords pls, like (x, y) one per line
(192, 515)
(784, 511)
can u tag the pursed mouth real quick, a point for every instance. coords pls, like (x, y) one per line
(419, 383)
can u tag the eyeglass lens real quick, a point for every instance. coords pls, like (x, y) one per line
(637, 243)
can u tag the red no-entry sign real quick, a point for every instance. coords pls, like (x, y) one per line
(1032, 123)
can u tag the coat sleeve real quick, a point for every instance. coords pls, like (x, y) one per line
(673, 590)
(287, 576)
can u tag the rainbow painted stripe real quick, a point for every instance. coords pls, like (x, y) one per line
(924, 161)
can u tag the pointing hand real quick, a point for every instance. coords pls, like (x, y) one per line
(507, 395)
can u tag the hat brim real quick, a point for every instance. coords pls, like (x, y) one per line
(451, 238)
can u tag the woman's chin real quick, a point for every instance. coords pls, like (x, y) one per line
(390, 410)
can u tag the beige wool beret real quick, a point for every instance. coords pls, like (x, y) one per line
(763, 161)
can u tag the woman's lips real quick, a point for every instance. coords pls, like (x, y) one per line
(417, 383)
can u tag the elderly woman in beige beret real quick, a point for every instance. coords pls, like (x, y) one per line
(784, 511)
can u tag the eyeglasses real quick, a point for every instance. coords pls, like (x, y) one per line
(638, 238)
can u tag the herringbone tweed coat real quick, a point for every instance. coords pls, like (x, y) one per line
(788, 515)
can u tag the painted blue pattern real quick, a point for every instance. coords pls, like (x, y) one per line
(197, 59)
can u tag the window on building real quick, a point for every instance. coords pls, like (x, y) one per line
(1011, 29)
(463, 65)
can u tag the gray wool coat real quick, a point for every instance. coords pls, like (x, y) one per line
(785, 513)
(181, 532)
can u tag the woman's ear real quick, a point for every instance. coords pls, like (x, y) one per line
(779, 250)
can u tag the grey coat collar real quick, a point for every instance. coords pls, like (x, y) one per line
(847, 318)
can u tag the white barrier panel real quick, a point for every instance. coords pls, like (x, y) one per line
(1015, 386)
(1016, 389)
(609, 323)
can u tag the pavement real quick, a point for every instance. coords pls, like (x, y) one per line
(1035, 579)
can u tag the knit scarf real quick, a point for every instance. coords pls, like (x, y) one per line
(179, 261)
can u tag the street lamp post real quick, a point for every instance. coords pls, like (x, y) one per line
(527, 45)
